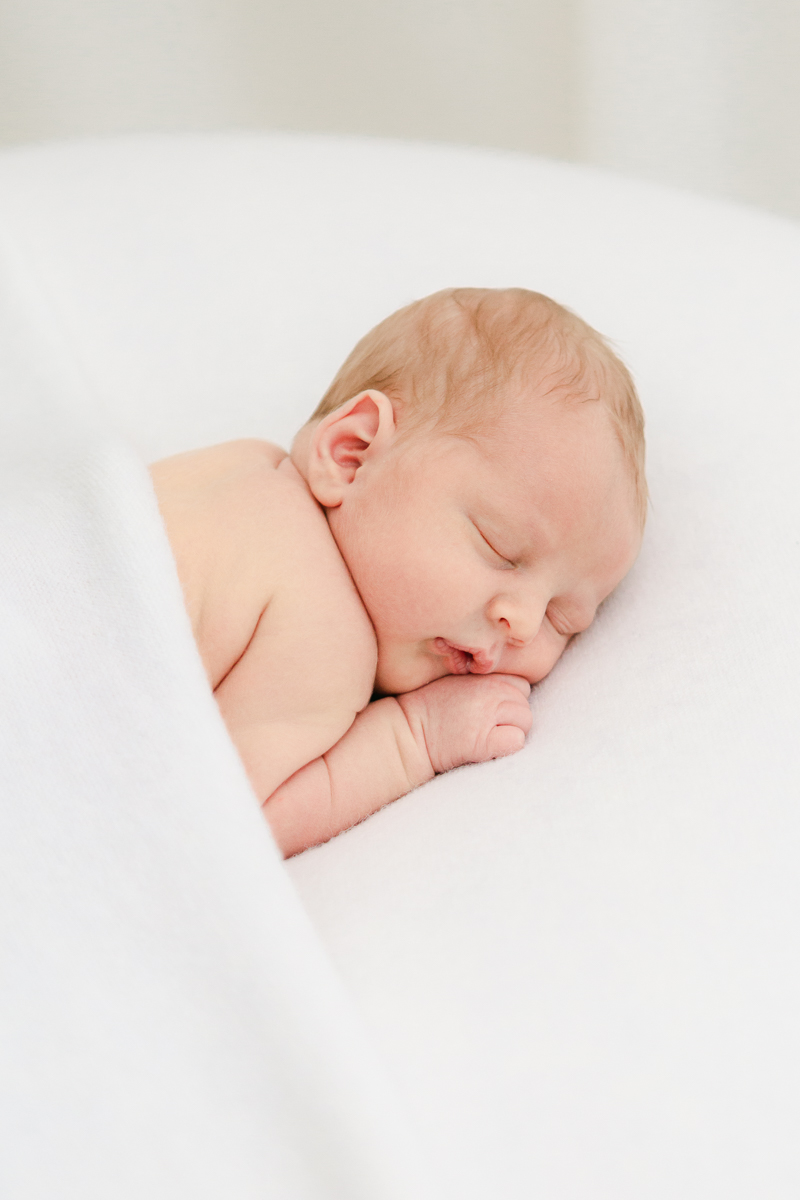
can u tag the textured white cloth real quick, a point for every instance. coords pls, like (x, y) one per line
(579, 965)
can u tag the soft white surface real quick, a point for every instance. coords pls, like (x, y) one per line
(580, 964)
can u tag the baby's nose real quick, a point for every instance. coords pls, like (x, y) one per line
(519, 621)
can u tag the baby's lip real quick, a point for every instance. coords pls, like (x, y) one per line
(467, 660)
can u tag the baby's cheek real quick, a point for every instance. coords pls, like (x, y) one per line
(535, 661)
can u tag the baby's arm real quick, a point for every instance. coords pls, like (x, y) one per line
(394, 745)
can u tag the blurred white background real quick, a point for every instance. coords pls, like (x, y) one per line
(700, 93)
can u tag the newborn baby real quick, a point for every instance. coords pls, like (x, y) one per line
(372, 608)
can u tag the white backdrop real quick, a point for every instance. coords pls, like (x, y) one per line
(702, 93)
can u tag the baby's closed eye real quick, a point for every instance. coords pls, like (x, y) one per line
(497, 554)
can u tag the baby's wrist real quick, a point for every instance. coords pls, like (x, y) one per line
(411, 741)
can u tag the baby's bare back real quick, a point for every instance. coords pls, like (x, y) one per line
(284, 638)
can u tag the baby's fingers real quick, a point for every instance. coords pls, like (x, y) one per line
(514, 712)
(503, 740)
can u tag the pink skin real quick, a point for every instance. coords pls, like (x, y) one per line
(469, 719)
(476, 556)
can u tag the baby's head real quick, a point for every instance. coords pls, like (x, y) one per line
(480, 456)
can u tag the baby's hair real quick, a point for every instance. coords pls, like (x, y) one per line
(447, 361)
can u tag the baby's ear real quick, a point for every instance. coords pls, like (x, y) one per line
(343, 441)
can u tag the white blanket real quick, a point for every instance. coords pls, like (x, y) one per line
(169, 1027)
(578, 968)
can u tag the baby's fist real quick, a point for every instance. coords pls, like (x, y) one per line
(469, 718)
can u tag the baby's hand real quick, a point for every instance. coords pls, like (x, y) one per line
(469, 718)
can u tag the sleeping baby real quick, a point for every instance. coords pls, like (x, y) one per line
(373, 607)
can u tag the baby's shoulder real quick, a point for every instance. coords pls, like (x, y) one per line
(248, 488)
(261, 572)
(227, 464)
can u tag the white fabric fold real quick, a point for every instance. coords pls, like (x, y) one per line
(169, 1024)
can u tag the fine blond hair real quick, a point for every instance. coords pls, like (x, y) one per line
(447, 361)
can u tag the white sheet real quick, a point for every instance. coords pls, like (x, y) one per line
(580, 965)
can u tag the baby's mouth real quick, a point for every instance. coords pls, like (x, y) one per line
(463, 661)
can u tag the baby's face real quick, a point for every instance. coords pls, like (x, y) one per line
(489, 555)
